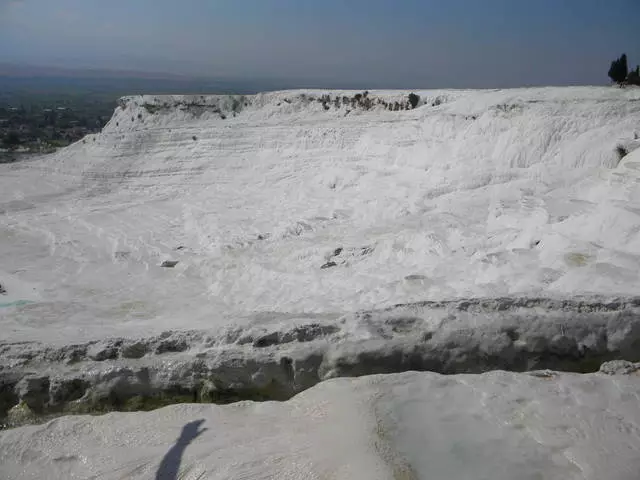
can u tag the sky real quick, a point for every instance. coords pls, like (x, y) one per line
(332, 43)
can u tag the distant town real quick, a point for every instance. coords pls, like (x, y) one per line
(45, 124)
(45, 108)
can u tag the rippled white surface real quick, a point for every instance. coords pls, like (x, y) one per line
(489, 193)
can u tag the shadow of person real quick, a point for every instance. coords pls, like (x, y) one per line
(170, 465)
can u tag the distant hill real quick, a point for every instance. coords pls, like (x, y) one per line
(28, 79)
(43, 108)
(17, 70)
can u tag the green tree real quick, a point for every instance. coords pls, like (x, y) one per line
(414, 99)
(619, 70)
(11, 140)
(634, 77)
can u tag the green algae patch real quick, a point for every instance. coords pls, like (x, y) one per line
(20, 414)
(17, 303)
(577, 259)
(206, 392)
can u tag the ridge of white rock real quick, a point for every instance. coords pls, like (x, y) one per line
(264, 361)
(472, 194)
(498, 426)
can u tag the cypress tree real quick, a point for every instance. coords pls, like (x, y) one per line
(619, 69)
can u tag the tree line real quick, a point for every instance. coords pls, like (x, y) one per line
(620, 74)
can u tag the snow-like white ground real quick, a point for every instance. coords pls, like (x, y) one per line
(474, 193)
(506, 193)
(496, 426)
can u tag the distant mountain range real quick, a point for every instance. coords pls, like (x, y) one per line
(17, 70)
(28, 79)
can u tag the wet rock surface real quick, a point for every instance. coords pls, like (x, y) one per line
(268, 360)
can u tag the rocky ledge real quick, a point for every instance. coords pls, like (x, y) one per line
(269, 359)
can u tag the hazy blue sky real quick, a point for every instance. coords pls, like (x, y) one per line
(371, 43)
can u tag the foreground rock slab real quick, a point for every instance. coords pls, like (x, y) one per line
(499, 426)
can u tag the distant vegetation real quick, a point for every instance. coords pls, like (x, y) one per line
(40, 112)
(620, 74)
(413, 100)
(40, 123)
(364, 101)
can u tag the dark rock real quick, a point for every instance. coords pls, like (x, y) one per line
(3, 291)
(245, 339)
(75, 353)
(172, 345)
(62, 391)
(121, 255)
(267, 340)
(415, 278)
(563, 345)
(101, 352)
(169, 263)
(329, 265)
(287, 365)
(135, 350)
(8, 395)
(34, 391)
(344, 254)
(426, 336)
(303, 333)
(621, 151)
(404, 324)
(308, 333)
